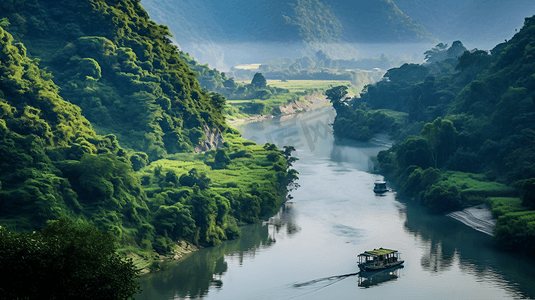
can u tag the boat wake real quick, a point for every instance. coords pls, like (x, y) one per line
(337, 278)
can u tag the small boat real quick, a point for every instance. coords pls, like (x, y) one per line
(379, 259)
(380, 187)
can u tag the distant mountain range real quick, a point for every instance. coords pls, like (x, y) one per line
(286, 21)
(210, 30)
(477, 23)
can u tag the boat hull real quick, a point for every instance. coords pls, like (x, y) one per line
(371, 268)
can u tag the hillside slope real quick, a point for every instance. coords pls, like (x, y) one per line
(121, 69)
(71, 71)
(52, 162)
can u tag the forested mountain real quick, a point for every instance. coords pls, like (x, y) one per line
(469, 114)
(121, 69)
(53, 163)
(99, 120)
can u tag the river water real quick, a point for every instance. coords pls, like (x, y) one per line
(334, 215)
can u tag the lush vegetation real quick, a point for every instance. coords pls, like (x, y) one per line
(121, 69)
(115, 72)
(66, 260)
(467, 112)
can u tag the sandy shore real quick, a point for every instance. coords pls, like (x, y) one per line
(478, 217)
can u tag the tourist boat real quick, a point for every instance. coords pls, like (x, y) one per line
(379, 259)
(380, 187)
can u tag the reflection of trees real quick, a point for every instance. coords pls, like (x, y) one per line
(448, 238)
(193, 277)
(285, 218)
(436, 260)
(438, 231)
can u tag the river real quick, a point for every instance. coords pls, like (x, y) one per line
(333, 216)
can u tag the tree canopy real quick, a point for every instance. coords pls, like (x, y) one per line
(66, 260)
(259, 81)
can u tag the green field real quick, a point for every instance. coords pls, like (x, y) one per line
(296, 89)
(303, 86)
(307, 85)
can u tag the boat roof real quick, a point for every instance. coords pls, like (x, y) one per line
(380, 182)
(378, 252)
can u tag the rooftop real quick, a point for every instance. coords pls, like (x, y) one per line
(380, 251)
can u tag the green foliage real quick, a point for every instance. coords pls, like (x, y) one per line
(208, 203)
(129, 80)
(139, 160)
(124, 73)
(222, 160)
(503, 205)
(528, 193)
(336, 95)
(514, 231)
(441, 136)
(259, 81)
(194, 178)
(66, 260)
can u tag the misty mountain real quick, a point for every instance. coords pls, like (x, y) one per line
(206, 28)
(286, 21)
(481, 23)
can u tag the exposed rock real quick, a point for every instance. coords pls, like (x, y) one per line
(478, 217)
(312, 101)
(214, 140)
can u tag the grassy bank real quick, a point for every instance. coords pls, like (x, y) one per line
(202, 199)
(516, 224)
(291, 90)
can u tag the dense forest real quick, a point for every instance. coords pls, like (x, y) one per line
(464, 127)
(101, 120)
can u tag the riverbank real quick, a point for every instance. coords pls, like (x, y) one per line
(310, 102)
(180, 251)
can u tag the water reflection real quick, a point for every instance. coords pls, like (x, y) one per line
(285, 218)
(193, 277)
(336, 215)
(449, 244)
(370, 279)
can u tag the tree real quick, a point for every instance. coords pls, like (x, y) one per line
(438, 53)
(528, 193)
(259, 81)
(440, 135)
(473, 62)
(222, 160)
(67, 260)
(336, 96)
(287, 154)
(218, 101)
(194, 178)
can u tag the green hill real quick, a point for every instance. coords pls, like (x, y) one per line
(93, 97)
(121, 69)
